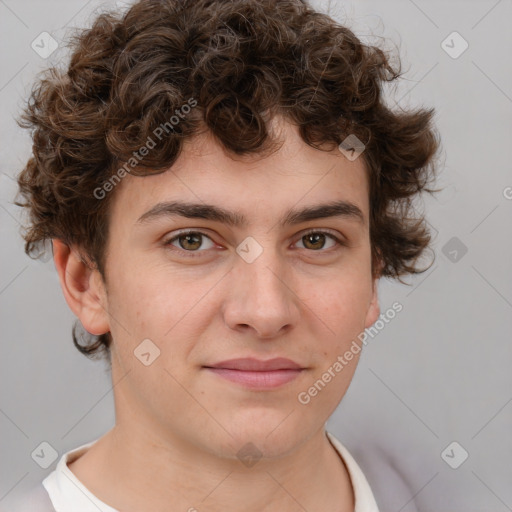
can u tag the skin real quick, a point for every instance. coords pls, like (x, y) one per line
(179, 426)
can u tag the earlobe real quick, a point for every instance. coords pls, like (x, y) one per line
(83, 288)
(373, 312)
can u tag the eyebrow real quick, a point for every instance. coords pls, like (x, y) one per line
(342, 208)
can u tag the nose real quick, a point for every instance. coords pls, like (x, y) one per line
(261, 297)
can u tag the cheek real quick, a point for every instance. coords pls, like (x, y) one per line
(342, 308)
(140, 307)
(169, 309)
(342, 305)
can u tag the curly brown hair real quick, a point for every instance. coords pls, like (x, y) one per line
(242, 62)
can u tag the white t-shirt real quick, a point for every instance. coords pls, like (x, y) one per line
(68, 494)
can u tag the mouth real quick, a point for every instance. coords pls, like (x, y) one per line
(257, 374)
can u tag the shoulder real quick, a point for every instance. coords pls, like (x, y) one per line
(34, 500)
(379, 472)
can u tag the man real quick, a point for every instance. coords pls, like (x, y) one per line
(223, 187)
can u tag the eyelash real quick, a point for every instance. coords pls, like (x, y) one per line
(194, 254)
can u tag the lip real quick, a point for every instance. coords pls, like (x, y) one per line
(256, 373)
(257, 365)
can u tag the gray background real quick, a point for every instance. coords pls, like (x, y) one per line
(439, 372)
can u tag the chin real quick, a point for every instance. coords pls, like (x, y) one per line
(271, 435)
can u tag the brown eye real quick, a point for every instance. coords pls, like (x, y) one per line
(316, 240)
(189, 241)
(192, 241)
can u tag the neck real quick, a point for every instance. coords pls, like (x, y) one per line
(124, 461)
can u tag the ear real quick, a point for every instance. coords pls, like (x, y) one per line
(373, 312)
(83, 288)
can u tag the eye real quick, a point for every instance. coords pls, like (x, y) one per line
(189, 241)
(315, 240)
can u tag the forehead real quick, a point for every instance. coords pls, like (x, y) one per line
(256, 186)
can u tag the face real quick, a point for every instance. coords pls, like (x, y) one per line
(262, 289)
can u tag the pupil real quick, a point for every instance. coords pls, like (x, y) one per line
(315, 237)
(191, 237)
